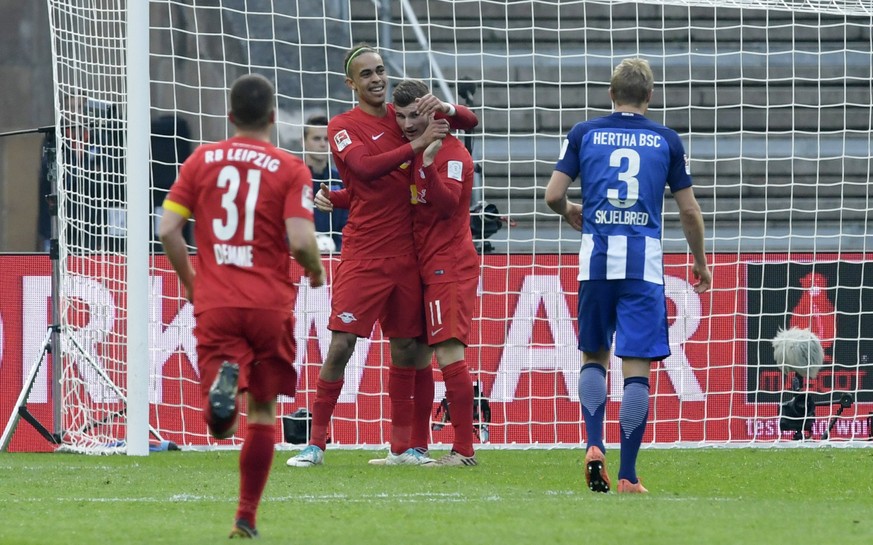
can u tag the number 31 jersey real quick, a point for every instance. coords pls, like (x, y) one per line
(240, 191)
(624, 161)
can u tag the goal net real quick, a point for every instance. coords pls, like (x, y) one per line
(772, 102)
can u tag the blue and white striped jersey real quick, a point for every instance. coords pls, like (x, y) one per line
(624, 161)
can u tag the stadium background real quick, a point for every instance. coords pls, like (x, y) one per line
(751, 203)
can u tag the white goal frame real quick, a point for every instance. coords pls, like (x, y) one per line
(103, 50)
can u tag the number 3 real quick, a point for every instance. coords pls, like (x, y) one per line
(229, 178)
(627, 176)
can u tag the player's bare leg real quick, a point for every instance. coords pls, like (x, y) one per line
(255, 461)
(327, 392)
(342, 346)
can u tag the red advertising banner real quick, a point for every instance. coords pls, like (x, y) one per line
(717, 386)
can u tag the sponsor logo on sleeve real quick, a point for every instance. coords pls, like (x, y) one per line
(342, 140)
(687, 165)
(456, 170)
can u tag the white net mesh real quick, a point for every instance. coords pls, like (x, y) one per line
(772, 101)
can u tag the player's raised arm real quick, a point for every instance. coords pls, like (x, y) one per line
(459, 117)
(443, 180)
(370, 166)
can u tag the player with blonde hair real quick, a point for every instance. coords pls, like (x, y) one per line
(623, 162)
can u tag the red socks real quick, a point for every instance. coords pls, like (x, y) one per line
(459, 392)
(423, 400)
(401, 386)
(326, 394)
(255, 460)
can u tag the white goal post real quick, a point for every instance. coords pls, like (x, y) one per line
(771, 99)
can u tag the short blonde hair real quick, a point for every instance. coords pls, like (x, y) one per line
(632, 82)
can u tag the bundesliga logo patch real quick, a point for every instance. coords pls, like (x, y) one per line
(342, 140)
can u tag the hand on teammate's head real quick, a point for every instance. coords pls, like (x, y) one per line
(429, 104)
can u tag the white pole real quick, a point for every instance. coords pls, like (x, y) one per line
(137, 171)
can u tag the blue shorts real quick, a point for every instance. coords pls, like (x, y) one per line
(635, 311)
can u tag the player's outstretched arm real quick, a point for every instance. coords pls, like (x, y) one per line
(372, 167)
(556, 198)
(692, 226)
(173, 239)
(304, 248)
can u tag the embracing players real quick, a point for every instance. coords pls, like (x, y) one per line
(373, 280)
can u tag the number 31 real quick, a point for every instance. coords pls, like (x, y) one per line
(229, 178)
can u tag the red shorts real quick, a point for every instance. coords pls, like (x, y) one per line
(386, 289)
(448, 310)
(260, 341)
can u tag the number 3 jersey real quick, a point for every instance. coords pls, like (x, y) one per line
(624, 161)
(240, 191)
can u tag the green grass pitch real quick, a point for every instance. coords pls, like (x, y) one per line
(708, 496)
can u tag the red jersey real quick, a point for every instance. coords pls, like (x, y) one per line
(374, 161)
(241, 191)
(443, 241)
(380, 218)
